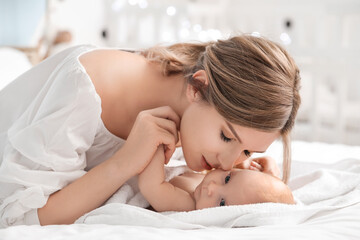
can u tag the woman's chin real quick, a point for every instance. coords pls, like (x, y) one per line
(192, 163)
(194, 167)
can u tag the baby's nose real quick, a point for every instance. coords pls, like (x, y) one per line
(211, 188)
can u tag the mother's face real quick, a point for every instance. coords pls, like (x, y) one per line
(209, 141)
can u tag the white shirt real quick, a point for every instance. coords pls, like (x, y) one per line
(51, 132)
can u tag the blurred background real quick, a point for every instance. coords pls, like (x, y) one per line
(323, 36)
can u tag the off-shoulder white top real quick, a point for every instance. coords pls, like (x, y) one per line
(51, 132)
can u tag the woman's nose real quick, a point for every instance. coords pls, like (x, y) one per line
(241, 159)
(227, 161)
(226, 165)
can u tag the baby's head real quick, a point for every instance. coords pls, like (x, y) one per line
(239, 186)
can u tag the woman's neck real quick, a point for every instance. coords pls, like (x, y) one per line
(156, 90)
(146, 88)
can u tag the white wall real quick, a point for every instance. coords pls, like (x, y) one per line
(19, 20)
(83, 18)
(323, 37)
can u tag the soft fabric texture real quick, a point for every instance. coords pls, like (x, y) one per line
(51, 134)
(338, 222)
(321, 194)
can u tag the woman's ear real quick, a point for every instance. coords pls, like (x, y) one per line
(201, 76)
(192, 91)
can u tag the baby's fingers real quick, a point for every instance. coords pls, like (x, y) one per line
(255, 166)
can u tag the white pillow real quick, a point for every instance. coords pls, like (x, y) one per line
(13, 63)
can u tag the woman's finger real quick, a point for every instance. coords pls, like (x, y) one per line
(165, 112)
(168, 125)
(167, 139)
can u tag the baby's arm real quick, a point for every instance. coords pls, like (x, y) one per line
(162, 195)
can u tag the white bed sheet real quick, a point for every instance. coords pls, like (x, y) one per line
(320, 230)
(341, 224)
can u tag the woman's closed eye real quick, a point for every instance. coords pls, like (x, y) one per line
(224, 138)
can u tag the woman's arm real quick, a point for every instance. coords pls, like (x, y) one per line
(152, 128)
(86, 193)
(161, 195)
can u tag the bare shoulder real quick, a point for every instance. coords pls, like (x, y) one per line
(111, 58)
(109, 68)
(108, 53)
(116, 76)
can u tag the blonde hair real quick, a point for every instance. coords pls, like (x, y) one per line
(253, 82)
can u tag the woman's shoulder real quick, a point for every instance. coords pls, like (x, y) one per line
(99, 54)
(106, 64)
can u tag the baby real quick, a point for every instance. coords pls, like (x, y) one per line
(191, 190)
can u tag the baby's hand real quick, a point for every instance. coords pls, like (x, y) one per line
(263, 164)
(250, 164)
(268, 165)
(255, 166)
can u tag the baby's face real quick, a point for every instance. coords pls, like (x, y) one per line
(224, 188)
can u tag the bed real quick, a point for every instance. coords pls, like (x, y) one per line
(325, 180)
(325, 177)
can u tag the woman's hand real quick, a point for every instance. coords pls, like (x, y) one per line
(263, 164)
(152, 128)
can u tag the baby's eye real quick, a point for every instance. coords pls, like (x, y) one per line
(227, 178)
(222, 202)
(247, 153)
(224, 138)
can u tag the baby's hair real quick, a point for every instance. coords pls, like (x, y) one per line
(276, 191)
(253, 82)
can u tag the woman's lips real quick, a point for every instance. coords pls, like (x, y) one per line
(205, 164)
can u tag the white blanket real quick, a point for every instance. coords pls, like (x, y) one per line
(321, 194)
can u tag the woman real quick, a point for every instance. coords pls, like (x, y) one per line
(80, 124)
